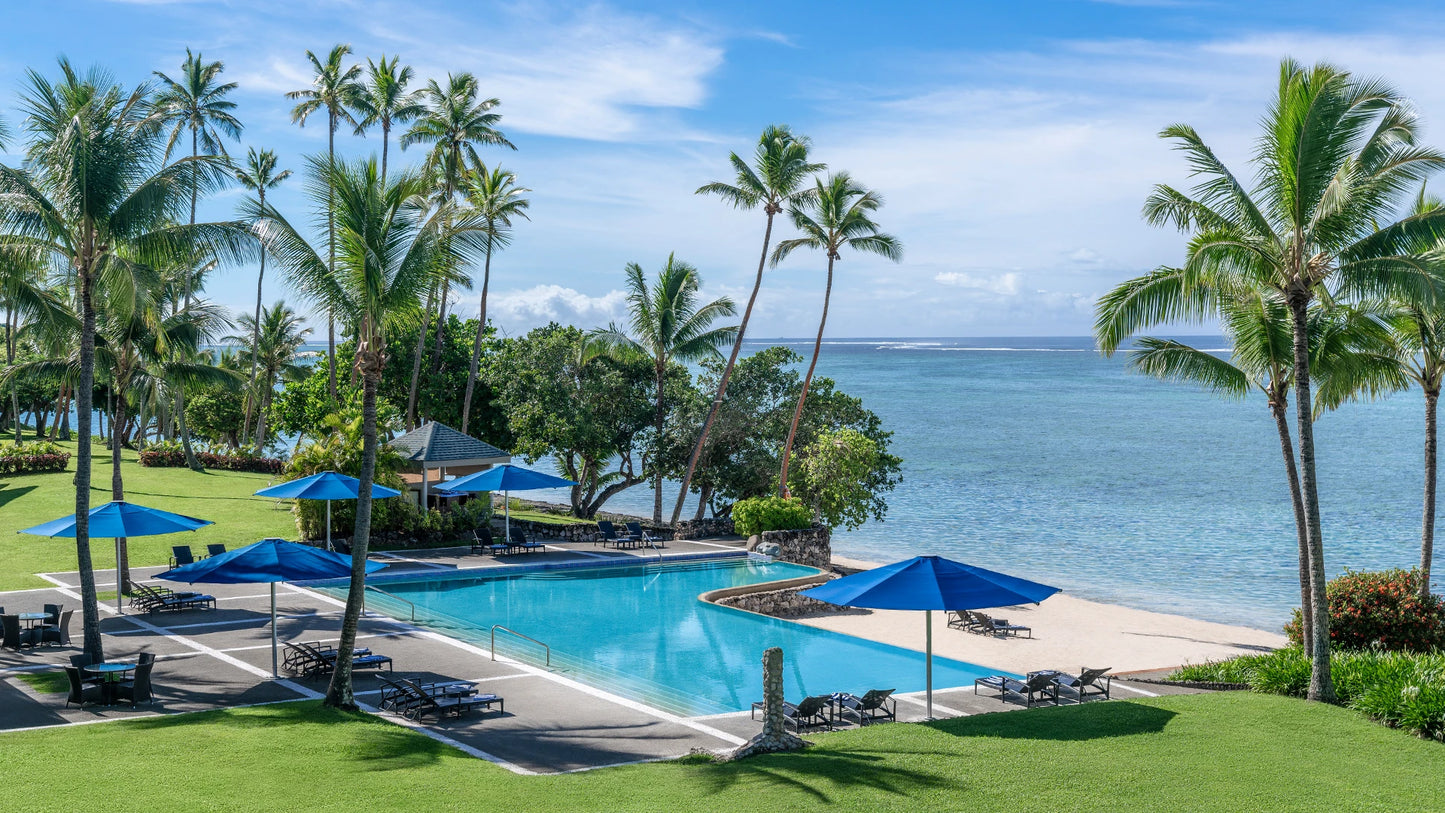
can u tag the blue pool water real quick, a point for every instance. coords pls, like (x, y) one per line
(641, 632)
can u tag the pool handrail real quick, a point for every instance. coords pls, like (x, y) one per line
(496, 627)
(388, 595)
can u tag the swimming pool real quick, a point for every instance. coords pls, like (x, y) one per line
(640, 631)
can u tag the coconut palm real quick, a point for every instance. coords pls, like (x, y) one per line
(334, 88)
(495, 198)
(27, 299)
(259, 175)
(1336, 156)
(836, 215)
(277, 340)
(454, 122)
(776, 181)
(666, 325)
(391, 245)
(196, 102)
(97, 199)
(383, 99)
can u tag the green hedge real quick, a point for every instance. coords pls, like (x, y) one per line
(33, 457)
(757, 514)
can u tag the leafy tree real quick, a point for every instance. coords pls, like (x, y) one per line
(776, 180)
(437, 393)
(1336, 155)
(334, 88)
(495, 198)
(259, 175)
(836, 216)
(833, 476)
(665, 324)
(337, 443)
(215, 414)
(584, 412)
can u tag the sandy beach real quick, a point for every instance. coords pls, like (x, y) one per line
(1068, 633)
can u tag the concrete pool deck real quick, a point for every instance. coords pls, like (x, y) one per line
(208, 659)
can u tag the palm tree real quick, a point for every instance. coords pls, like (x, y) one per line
(96, 198)
(334, 88)
(196, 103)
(454, 123)
(1350, 355)
(836, 215)
(776, 181)
(391, 249)
(27, 300)
(277, 340)
(259, 175)
(667, 325)
(1336, 155)
(383, 99)
(495, 198)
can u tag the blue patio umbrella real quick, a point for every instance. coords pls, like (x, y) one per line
(328, 486)
(930, 583)
(505, 478)
(121, 520)
(270, 560)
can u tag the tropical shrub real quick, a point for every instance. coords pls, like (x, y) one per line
(33, 457)
(758, 514)
(169, 454)
(1381, 609)
(833, 477)
(1400, 689)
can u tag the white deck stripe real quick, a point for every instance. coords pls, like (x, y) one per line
(911, 698)
(1129, 688)
(445, 740)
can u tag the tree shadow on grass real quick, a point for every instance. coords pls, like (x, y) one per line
(1091, 721)
(813, 772)
(7, 493)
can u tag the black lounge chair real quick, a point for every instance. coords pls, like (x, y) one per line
(80, 693)
(181, 555)
(311, 660)
(634, 530)
(138, 688)
(57, 633)
(962, 620)
(1038, 684)
(988, 625)
(876, 705)
(1086, 683)
(13, 636)
(483, 541)
(610, 534)
(151, 599)
(519, 541)
(440, 704)
(813, 712)
(215, 550)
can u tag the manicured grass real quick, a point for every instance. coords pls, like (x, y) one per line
(542, 516)
(45, 682)
(1225, 752)
(221, 496)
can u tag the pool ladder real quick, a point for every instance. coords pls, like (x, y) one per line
(496, 627)
(388, 595)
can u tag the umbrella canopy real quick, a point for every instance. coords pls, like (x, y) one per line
(121, 519)
(270, 560)
(327, 485)
(930, 583)
(505, 478)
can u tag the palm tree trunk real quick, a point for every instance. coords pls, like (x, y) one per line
(416, 362)
(385, 141)
(1321, 687)
(1281, 423)
(64, 417)
(261, 417)
(191, 462)
(436, 353)
(117, 488)
(10, 327)
(90, 608)
(658, 418)
(807, 382)
(331, 256)
(727, 373)
(477, 342)
(1427, 525)
(256, 328)
(339, 694)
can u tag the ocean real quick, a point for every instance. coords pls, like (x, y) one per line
(1041, 458)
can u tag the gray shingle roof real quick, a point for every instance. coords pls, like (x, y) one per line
(438, 443)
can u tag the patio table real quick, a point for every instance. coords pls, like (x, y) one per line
(31, 619)
(111, 673)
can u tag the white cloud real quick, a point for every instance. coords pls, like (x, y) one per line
(519, 310)
(1085, 256)
(1006, 284)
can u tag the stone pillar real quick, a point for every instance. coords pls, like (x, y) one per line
(775, 736)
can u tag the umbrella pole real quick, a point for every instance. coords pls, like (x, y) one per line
(328, 525)
(118, 609)
(928, 638)
(507, 512)
(274, 673)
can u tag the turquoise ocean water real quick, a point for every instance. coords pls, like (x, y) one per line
(1043, 459)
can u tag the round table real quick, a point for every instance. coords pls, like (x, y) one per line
(32, 618)
(111, 674)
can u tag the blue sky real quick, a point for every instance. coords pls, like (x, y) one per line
(1013, 143)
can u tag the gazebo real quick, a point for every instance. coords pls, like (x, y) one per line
(433, 450)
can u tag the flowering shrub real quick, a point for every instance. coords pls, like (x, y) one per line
(169, 454)
(1381, 610)
(28, 458)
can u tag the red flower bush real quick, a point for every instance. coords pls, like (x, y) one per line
(170, 455)
(1380, 610)
(29, 458)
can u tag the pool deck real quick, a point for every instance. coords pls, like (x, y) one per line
(209, 659)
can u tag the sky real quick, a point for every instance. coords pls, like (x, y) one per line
(1013, 144)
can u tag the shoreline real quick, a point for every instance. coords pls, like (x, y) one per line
(1068, 633)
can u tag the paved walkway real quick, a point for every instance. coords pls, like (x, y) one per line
(208, 659)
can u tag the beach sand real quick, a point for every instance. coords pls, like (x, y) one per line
(1069, 633)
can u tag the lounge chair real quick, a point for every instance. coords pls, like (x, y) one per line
(962, 620)
(440, 704)
(519, 540)
(996, 626)
(1038, 684)
(1088, 679)
(138, 688)
(57, 633)
(483, 541)
(13, 636)
(634, 530)
(813, 712)
(321, 660)
(609, 534)
(80, 693)
(215, 550)
(876, 705)
(181, 555)
(180, 601)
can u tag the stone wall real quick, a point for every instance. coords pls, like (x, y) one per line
(703, 528)
(811, 546)
(572, 532)
(779, 603)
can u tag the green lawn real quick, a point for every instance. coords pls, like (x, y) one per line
(1226, 752)
(221, 496)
